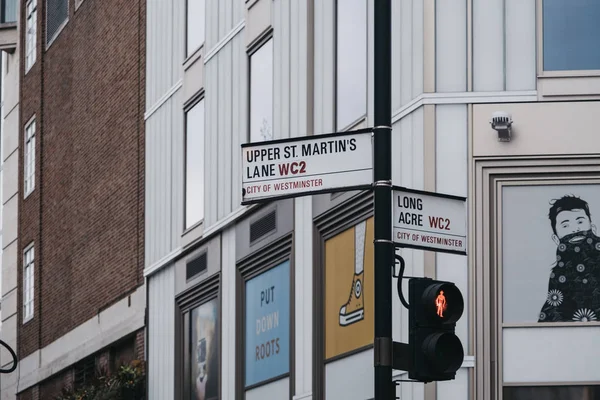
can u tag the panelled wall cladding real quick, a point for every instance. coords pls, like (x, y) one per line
(275, 301)
(84, 214)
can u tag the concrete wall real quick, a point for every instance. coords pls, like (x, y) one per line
(10, 198)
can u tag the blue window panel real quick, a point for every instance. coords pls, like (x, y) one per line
(268, 325)
(571, 35)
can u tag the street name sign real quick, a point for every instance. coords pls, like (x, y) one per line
(429, 221)
(309, 165)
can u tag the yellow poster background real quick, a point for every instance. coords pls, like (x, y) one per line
(340, 257)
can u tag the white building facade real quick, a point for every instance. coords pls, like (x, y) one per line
(9, 186)
(249, 302)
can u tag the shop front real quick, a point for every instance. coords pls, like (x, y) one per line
(537, 264)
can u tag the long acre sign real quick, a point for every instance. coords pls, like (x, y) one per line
(310, 165)
(430, 221)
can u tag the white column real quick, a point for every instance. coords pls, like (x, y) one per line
(303, 297)
(451, 178)
(228, 274)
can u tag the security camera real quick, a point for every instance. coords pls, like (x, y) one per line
(501, 122)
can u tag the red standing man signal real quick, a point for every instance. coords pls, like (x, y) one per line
(440, 303)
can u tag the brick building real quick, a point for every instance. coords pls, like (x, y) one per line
(80, 258)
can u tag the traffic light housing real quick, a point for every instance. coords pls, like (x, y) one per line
(435, 350)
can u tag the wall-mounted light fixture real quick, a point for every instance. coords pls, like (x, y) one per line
(501, 122)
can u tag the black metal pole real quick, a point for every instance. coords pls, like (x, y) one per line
(382, 175)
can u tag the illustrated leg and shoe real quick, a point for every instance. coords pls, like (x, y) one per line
(354, 311)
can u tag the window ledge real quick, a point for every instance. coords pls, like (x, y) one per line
(569, 74)
(359, 123)
(192, 58)
(8, 36)
(569, 87)
(26, 320)
(250, 3)
(192, 233)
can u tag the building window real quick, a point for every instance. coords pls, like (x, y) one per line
(198, 353)
(30, 41)
(29, 167)
(267, 326)
(582, 392)
(553, 279)
(84, 372)
(261, 93)
(571, 35)
(57, 12)
(8, 11)
(204, 350)
(351, 62)
(194, 164)
(28, 265)
(546, 289)
(195, 25)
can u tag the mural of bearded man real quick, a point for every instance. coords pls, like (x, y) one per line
(573, 288)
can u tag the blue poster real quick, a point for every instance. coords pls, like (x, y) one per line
(268, 324)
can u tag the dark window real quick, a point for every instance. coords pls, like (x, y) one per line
(198, 368)
(121, 353)
(85, 371)
(204, 351)
(57, 12)
(552, 392)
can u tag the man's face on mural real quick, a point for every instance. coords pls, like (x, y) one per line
(574, 283)
(572, 221)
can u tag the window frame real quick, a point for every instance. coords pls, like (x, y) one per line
(261, 261)
(78, 4)
(190, 53)
(328, 225)
(490, 176)
(28, 285)
(359, 120)
(194, 101)
(50, 40)
(252, 49)
(29, 157)
(588, 73)
(196, 296)
(3, 15)
(30, 45)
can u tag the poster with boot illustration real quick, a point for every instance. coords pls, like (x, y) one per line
(349, 289)
(353, 310)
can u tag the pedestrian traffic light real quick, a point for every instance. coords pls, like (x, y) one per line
(436, 352)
